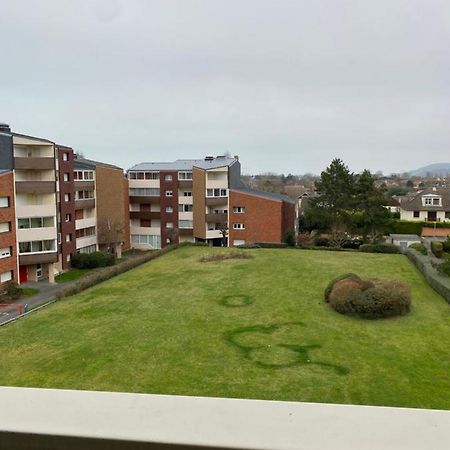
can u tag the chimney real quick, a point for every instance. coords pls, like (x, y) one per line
(5, 128)
(236, 157)
(209, 158)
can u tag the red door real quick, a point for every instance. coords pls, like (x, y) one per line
(23, 274)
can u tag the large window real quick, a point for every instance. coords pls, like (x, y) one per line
(144, 192)
(143, 175)
(216, 192)
(146, 239)
(185, 208)
(36, 222)
(81, 175)
(37, 246)
(238, 226)
(186, 224)
(83, 195)
(185, 175)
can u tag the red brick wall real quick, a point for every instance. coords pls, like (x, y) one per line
(8, 215)
(263, 218)
(65, 228)
(168, 201)
(288, 218)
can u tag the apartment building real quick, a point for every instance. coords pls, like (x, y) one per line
(101, 207)
(33, 161)
(202, 201)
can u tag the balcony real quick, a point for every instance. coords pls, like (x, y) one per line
(145, 199)
(185, 231)
(37, 163)
(40, 419)
(145, 215)
(217, 218)
(24, 211)
(88, 185)
(36, 234)
(185, 183)
(216, 201)
(38, 258)
(86, 241)
(85, 203)
(85, 223)
(35, 187)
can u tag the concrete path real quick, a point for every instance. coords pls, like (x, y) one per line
(47, 292)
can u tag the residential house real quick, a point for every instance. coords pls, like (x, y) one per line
(430, 205)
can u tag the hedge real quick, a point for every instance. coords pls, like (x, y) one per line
(407, 227)
(103, 274)
(437, 249)
(420, 248)
(440, 283)
(92, 260)
(379, 248)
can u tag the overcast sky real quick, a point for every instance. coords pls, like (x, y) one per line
(286, 85)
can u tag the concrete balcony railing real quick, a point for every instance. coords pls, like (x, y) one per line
(86, 203)
(144, 198)
(35, 187)
(37, 163)
(41, 419)
(23, 211)
(88, 185)
(216, 201)
(185, 183)
(37, 258)
(185, 231)
(145, 215)
(37, 234)
(217, 218)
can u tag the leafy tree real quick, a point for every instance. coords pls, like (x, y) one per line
(289, 238)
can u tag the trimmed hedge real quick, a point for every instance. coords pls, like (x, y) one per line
(439, 282)
(103, 274)
(419, 247)
(92, 260)
(406, 227)
(379, 248)
(272, 245)
(437, 249)
(370, 299)
(446, 245)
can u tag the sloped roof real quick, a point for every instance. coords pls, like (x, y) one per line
(415, 203)
(268, 195)
(83, 163)
(185, 164)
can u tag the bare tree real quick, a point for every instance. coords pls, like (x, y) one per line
(223, 228)
(172, 235)
(110, 233)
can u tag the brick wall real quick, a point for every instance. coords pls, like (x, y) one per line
(8, 239)
(263, 218)
(172, 217)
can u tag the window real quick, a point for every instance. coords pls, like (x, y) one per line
(169, 193)
(238, 209)
(416, 214)
(185, 175)
(79, 214)
(238, 226)
(67, 197)
(145, 223)
(153, 241)
(5, 227)
(216, 192)
(169, 225)
(66, 177)
(143, 175)
(168, 177)
(36, 222)
(447, 214)
(37, 246)
(65, 156)
(185, 208)
(169, 209)
(68, 217)
(88, 175)
(436, 201)
(68, 257)
(68, 237)
(88, 249)
(83, 195)
(6, 276)
(4, 202)
(144, 192)
(187, 194)
(427, 201)
(5, 252)
(186, 224)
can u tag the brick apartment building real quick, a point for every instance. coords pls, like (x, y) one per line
(201, 201)
(48, 210)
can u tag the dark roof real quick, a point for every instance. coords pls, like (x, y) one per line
(83, 163)
(405, 237)
(4, 171)
(32, 137)
(268, 195)
(415, 202)
(186, 164)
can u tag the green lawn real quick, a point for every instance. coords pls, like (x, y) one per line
(70, 275)
(251, 328)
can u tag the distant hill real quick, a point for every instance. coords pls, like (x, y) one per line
(438, 169)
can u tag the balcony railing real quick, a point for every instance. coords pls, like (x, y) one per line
(85, 203)
(88, 185)
(40, 419)
(145, 215)
(37, 163)
(217, 217)
(35, 187)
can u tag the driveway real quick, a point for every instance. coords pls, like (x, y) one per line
(46, 293)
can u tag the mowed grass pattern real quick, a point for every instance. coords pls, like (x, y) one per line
(255, 328)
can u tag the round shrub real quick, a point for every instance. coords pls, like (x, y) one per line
(370, 299)
(419, 248)
(321, 242)
(437, 249)
(345, 276)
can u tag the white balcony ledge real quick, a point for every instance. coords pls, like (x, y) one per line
(61, 419)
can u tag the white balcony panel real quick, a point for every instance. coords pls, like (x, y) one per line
(44, 418)
(185, 216)
(85, 223)
(213, 234)
(182, 200)
(154, 231)
(36, 234)
(143, 183)
(24, 211)
(85, 241)
(217, 184)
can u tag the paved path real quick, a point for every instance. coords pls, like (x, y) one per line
(46, 293)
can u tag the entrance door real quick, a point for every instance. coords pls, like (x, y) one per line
(23, 274)
(432, 216)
